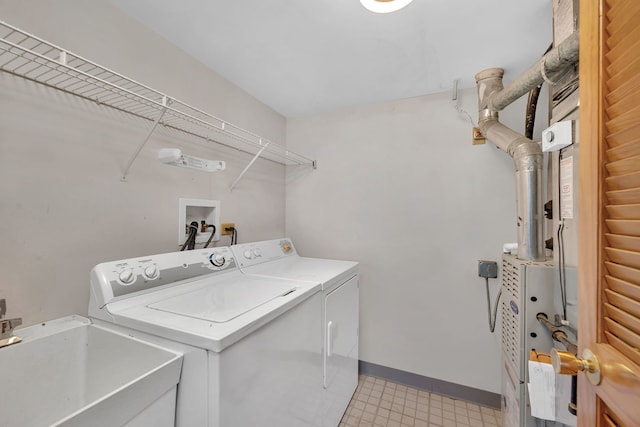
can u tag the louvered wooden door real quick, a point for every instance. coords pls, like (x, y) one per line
(609, 209)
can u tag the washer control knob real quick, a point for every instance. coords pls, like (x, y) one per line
(257, 253)
(126, 276)
(151, 271)
(217, 260)
(248, 254)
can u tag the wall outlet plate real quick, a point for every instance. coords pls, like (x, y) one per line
(223, 228)
(488, 269)
(477, 137)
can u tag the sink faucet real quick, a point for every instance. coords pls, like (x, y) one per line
(7, 326)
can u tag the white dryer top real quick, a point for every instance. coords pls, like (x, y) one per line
(326, 272)
(278, 258)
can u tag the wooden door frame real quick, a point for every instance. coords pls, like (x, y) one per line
(590, 197)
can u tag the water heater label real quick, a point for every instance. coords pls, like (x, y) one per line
(566, 187)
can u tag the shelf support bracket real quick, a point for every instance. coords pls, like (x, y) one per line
(141, 146)
(249, 165)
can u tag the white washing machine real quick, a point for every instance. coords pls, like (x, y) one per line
(340, 301)
(251, 345)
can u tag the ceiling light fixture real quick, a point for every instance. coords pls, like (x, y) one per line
(384, 6)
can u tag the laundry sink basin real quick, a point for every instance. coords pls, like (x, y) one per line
(70, 372)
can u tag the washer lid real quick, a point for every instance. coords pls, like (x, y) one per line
(221, 302)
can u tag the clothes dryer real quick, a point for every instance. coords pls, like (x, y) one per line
(340, 309)
(251, 344)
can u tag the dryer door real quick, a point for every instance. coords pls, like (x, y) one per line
(340, 348)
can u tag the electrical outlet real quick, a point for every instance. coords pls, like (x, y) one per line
(223, 228)
(488, 269)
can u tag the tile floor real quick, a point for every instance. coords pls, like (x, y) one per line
(377, 402)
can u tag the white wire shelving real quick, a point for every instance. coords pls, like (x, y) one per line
(35, 59)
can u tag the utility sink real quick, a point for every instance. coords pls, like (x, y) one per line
(70, 372)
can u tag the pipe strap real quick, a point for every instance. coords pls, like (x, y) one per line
(544, 75)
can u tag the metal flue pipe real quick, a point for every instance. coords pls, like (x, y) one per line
(557, 59)
(527, 155)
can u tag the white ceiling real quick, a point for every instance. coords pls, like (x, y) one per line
(303, 57)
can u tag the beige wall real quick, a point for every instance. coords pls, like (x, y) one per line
(400, 188)
(63, 207)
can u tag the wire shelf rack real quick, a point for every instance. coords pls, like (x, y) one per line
(32, 58)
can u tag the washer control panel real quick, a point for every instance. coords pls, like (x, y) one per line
(117, 278)
(254, 253)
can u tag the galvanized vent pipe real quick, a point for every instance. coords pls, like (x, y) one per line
(557, 59)
(527, 154)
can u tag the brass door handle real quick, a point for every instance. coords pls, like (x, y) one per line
(567, 363)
